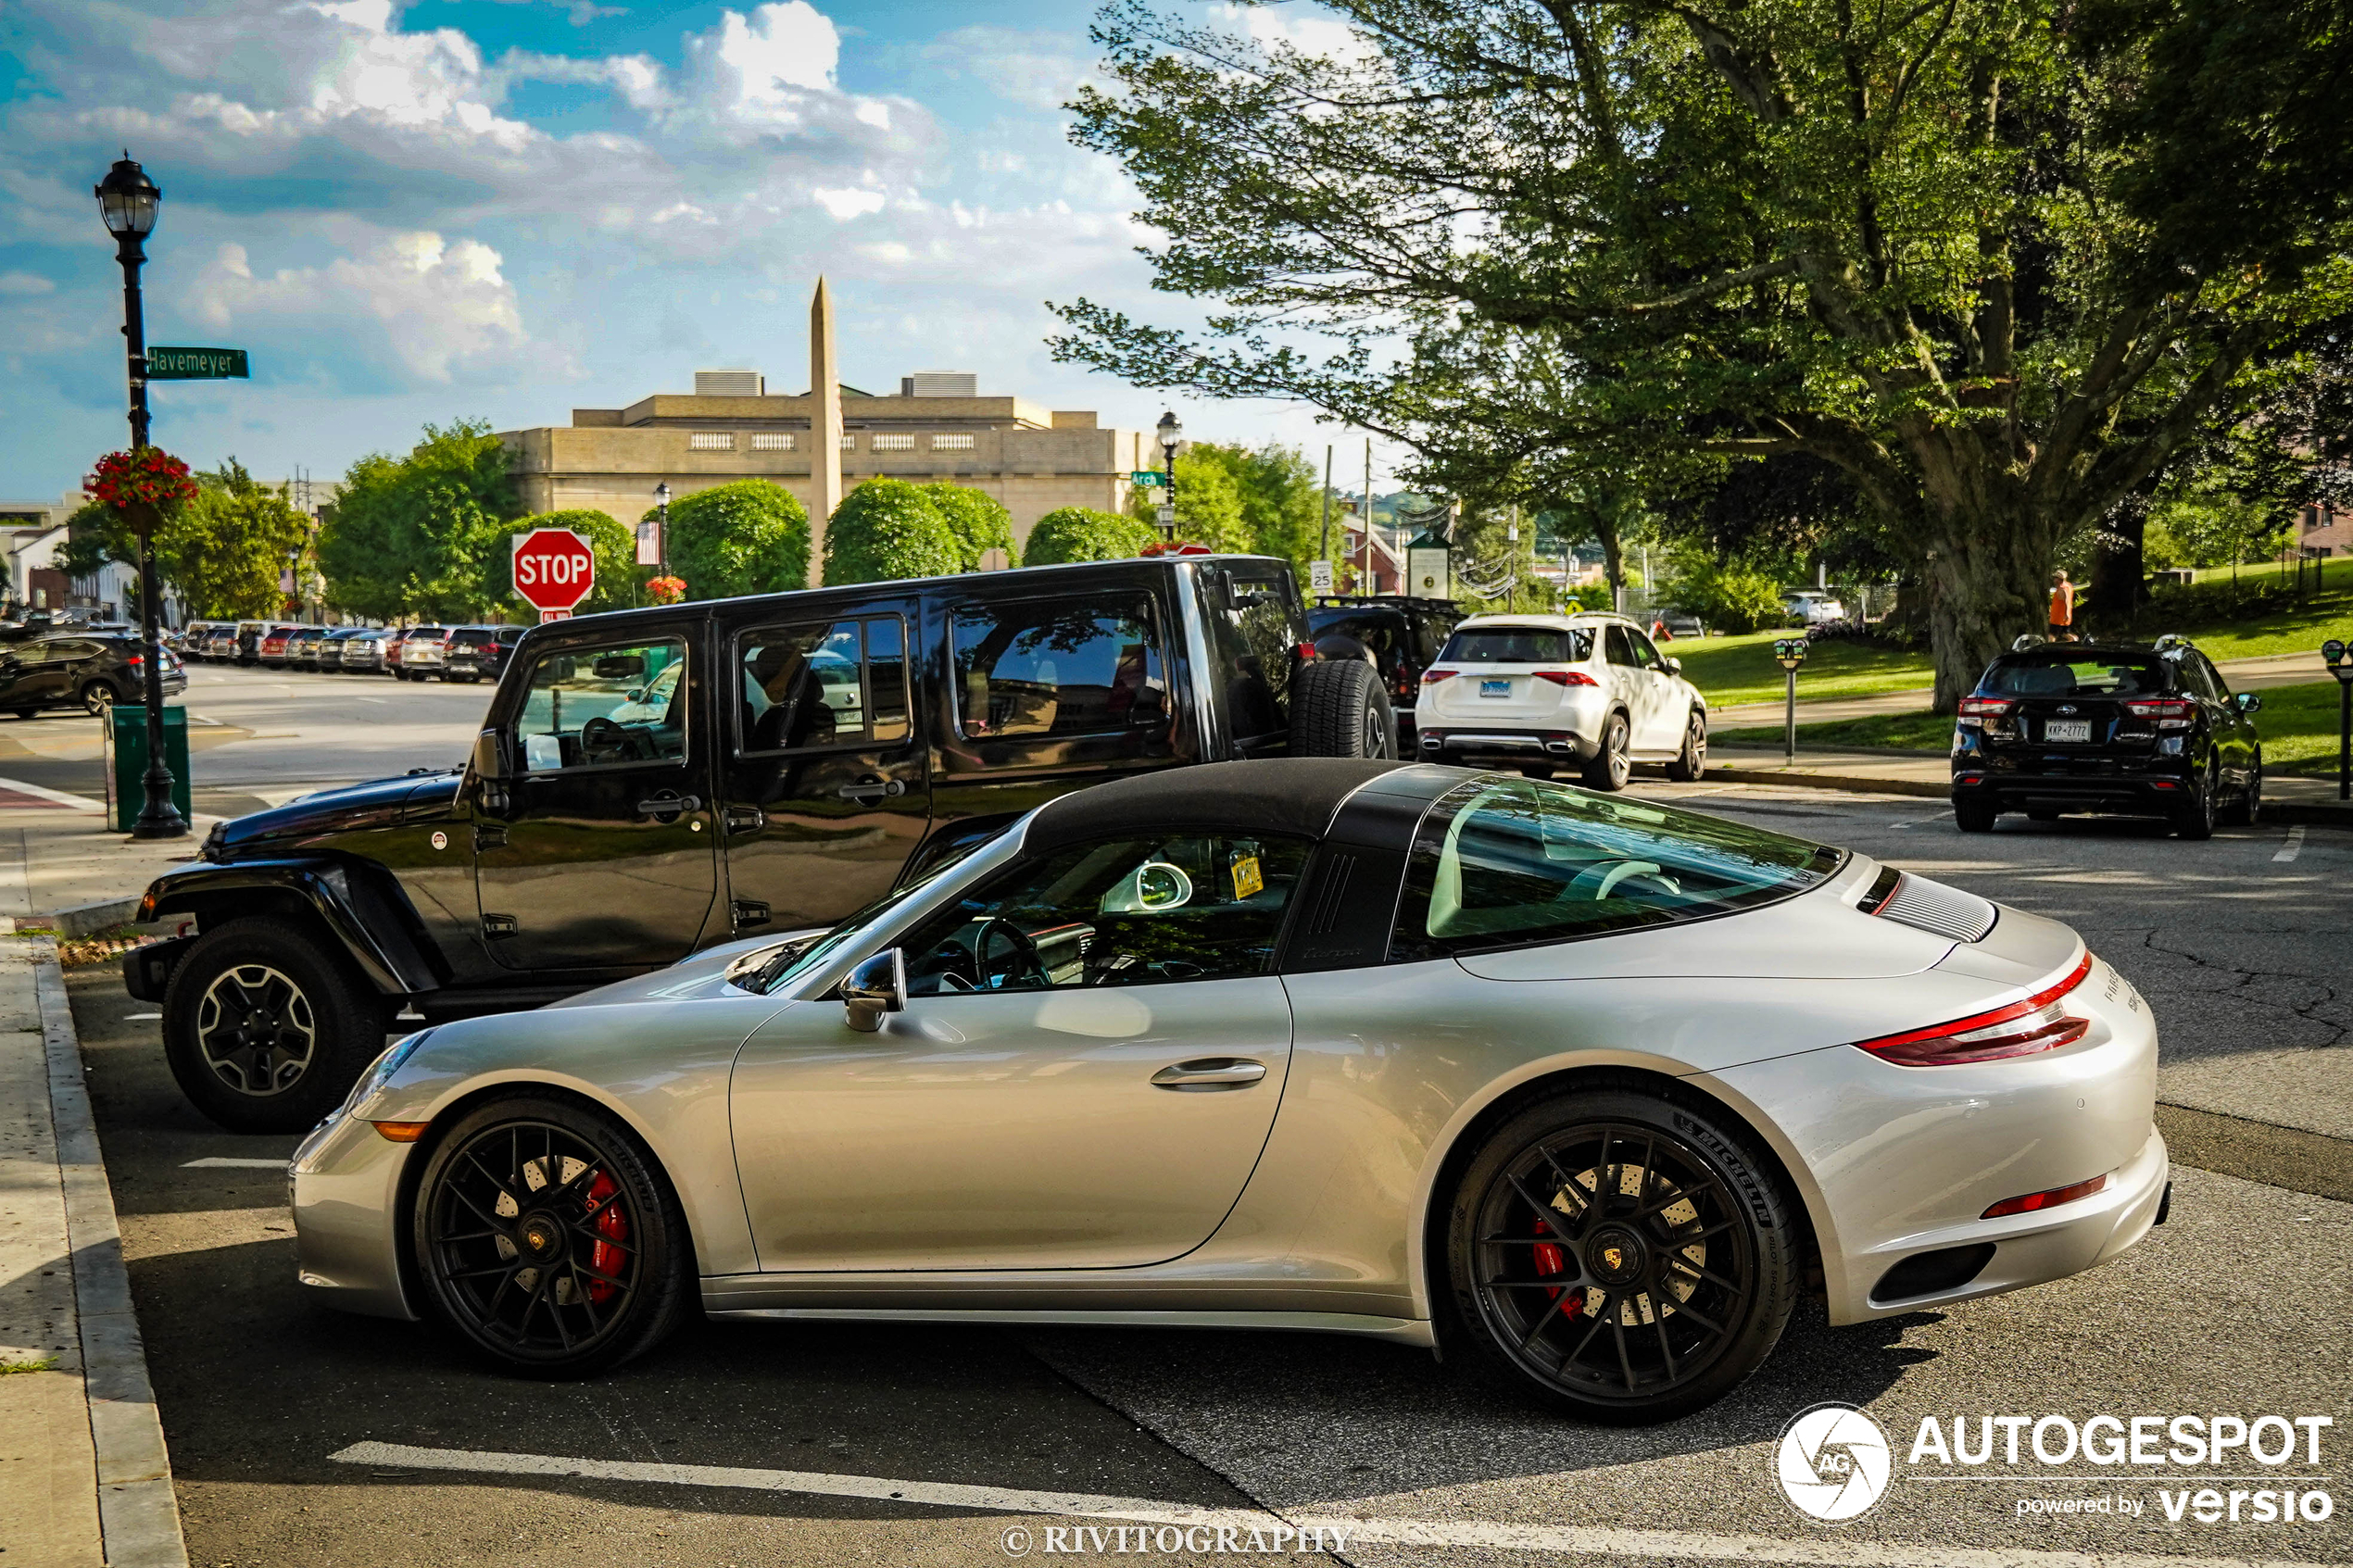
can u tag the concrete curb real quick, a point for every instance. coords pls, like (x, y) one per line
(1860, 784)
(85, 919)
(2323, 813)
(138, 1514)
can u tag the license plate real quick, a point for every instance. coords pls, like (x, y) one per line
(2061, 731)
(1495, 688)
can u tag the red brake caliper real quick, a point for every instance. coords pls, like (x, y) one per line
(1551, 1260)
(605, 1255)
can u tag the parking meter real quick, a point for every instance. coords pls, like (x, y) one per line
(1790, 652)
(2340, 662)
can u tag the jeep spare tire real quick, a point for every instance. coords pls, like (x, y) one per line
(1339, 709)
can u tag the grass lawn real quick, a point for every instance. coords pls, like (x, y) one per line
(1740, 668)
(2298, 723)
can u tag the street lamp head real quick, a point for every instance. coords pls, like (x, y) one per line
(128, 200)
(662, 494)
(1171, 432)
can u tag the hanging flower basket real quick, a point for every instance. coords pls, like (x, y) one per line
(667, 590)
(142, 486)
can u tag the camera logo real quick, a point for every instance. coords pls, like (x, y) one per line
(1833, 1462)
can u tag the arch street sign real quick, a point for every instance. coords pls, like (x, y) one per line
(554, 569)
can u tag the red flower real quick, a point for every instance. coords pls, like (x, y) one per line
(667, 590)
(144, 476)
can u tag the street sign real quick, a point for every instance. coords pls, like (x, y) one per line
(1148, 478)
(1164, 516)
(196, 364)
(554, 569)
(1319, 577)
(550, 615)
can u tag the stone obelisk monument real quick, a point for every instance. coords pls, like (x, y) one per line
(824, 426)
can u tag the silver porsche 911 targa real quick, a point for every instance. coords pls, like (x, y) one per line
(1587, 1090)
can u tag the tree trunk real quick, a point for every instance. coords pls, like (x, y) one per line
(2117, 567)
(1987, 582)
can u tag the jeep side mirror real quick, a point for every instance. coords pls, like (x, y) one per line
(490, 758)
(876, 987)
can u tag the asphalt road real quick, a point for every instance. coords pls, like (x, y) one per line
(2237, 1305)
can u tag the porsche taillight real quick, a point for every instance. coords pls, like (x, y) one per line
(2041, 1023)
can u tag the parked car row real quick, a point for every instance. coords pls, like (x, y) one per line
(412, 653)
(91, 670)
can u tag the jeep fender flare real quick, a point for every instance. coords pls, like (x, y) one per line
(371, 922)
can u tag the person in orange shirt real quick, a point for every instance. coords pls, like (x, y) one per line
(2062, 608)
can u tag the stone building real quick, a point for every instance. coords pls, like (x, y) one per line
(1033, 459)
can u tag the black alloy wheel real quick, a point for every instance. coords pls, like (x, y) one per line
(2249, 803)
(1629, 1259)
(546, 1239)
(255, 1029)
(2196, 820)
(266, 1031)
(97, 696)
(1612, 763)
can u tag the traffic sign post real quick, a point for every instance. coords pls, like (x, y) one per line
(1319, 578)
(553, 570)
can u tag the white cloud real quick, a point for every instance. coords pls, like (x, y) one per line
(441, 310)
(847, 205)
(1037, 71)
(1325, 36)
(25, 283)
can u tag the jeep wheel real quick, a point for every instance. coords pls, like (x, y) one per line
(1337, 708)
(264, 1030)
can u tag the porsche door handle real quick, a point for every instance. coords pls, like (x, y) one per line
(1210, 1072)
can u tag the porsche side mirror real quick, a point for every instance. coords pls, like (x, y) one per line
(876, 987)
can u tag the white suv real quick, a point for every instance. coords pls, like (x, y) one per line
(1540, 691)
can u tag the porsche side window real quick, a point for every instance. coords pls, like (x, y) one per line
(1130, 911)
(1507, 863)
(589, 707)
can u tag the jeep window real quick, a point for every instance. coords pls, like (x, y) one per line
(1518, 863)
(2062, 673)
(1252, 629)
(1518, 645)
(822, 683)
(603, 707)
(1049, 669)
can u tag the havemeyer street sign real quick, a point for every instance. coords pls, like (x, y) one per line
(196, 364)
(554, 569)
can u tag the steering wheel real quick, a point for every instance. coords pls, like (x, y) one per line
(1024, 966)
(602, 735)
(1598, 883)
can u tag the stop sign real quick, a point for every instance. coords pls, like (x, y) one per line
(554, 569)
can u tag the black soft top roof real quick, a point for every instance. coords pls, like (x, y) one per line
(1274, 794)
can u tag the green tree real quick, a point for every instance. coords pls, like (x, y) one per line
(1069, 533)
(226, 550)
(748, 537)
(1281, 497)
(94, 536)
(411, 536)
(1726, 598)
(888, 529)
(620, 580)
(1973, 254)
(1209, 504)
(978, 519)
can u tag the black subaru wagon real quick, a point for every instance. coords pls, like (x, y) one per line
(2146, 731)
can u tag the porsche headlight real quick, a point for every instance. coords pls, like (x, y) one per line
(376, 1077)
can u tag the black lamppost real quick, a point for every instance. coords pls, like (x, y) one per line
(1171, 434)
(661, 529)
(129, 202)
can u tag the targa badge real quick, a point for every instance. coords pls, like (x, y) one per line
(441, 841)
(1833, 1462)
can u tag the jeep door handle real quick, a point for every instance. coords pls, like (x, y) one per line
(1210, 1072)
(668, 807)
(871, 790)
(745, 819)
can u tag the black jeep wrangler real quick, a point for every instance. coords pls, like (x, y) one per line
(652, 782)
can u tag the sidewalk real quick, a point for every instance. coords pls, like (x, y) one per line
(1868, 771)
(61, 867)
(85, 1477)
(2244, 675)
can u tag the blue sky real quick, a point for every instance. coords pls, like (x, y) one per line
(506, 209)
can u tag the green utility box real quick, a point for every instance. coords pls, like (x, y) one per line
(126, 751)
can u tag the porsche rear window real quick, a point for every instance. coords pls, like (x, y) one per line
(1518, 645)
(1515, 863)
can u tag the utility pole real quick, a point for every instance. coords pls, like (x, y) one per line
(1368, 514)
(1325, 549)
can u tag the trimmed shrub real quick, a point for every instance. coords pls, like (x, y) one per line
(1069, 533)
(888, 529)
(619, 577)
(978, 519)
(1726, 598)
(748, 537)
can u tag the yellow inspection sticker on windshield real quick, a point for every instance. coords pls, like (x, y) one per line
(1246, 880)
